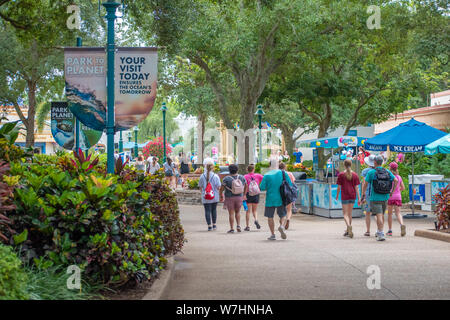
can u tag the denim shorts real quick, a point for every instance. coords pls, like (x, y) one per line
(348, 201)
(378, 207)
(270, 211)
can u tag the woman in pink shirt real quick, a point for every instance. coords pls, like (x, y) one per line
(252, 197)
(395, 201)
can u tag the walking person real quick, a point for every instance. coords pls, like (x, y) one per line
(140, 165)
(184, 168)
(348, 182)
(370, 161)
(252, 196)
(395, 201)
(235, 187)
(282, 167)
(153, 166)
(210, 184)
(169, 172)
(383, 182)
(271, 182)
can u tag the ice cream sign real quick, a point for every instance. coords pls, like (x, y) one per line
(347, 141)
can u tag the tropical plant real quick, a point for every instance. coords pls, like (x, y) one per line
(442, 210)
(13, 279)
(156, 148)
(116, 228)
(192, 183)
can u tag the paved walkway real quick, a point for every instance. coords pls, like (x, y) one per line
(315, 262)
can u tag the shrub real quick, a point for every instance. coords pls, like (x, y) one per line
(13, 279)
(442, 210)
(192, 183)
(115, 227)
(156, 148)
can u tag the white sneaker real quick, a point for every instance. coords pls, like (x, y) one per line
(380, 236)
(283, 234)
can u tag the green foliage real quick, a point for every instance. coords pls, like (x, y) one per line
(51, 284)
(192, 183)
(442, 210)
(116, 228)
(13, 279)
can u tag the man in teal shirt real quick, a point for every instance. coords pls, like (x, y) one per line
(378, 201)
(271, 183)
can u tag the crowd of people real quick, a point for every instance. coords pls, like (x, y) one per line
(380, 193)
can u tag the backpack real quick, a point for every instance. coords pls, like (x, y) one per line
(288, 192)
(382, 182)
(209, 191)
(253, 188)
(236, 186)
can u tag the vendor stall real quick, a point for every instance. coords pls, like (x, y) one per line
(318, 196)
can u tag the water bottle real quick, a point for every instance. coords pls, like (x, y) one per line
(245, 205)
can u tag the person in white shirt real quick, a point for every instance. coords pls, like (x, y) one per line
(153, 166)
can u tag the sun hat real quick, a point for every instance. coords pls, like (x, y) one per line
(393, 165)
(208, 161)
(370, 160)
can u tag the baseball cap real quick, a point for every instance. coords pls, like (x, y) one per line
(393, 165)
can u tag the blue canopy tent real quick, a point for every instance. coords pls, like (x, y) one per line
(410, 136)
(441, 145)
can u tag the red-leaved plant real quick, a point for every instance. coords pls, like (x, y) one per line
(156, 148)
(83, 163)
(6, 204)
(442, 210)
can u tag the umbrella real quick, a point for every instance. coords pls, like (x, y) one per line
(410, 136)
(441, 145)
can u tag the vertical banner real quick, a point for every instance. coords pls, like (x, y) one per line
(135, 85)
(63, 128)
(62, 125)
(85, 73)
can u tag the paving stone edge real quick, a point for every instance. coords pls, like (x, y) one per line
(435, 235)
(160, 284)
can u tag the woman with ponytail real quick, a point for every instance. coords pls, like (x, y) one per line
(210, 184)
(348, 182)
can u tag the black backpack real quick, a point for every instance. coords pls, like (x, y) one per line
(382, 182)
(288, 192)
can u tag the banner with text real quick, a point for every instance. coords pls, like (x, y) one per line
(63, 128)
(135, 85)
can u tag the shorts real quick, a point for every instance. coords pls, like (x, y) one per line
(348, 201)
(397, 203)
(233, 203)
(184, 168)
(270, 211)
(378, 207)
(252, 199)
(366, 207)
(168, 173)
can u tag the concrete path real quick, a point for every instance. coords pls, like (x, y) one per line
(315, 262)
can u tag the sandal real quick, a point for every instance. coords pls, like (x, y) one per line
(238, 228)
(247, 229)
(367, 234)
(231, 231)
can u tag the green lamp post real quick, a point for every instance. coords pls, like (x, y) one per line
(77, 122)
(260, 113)
(136, 147)
(164, 110)
(111, 7)
(121, 142)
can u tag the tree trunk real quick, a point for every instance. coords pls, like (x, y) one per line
(288, 139)
(29, 141)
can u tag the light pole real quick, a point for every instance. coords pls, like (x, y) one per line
(260, 113)
(120, 142)
(136, 147)
(111, 7)
(77, 122)
(164, 109)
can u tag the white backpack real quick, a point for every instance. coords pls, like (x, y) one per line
(236, 186)
(253, 188)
